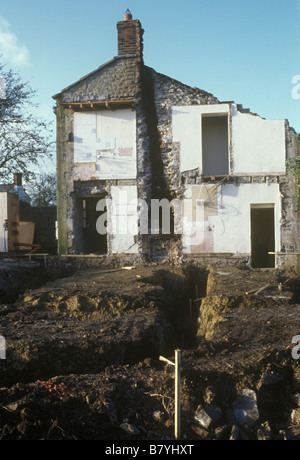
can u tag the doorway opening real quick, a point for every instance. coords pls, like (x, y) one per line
(88, 239)
(262, 235)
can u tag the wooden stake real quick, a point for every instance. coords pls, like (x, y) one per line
(262, 289)
(177, 394)
(177, 429)
(258, 290)
(161, 358)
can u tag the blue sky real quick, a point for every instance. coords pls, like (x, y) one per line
(239, 50)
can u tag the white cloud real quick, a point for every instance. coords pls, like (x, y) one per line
(13, 52)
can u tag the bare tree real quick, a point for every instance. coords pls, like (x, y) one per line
(24, 138)
(42, 190)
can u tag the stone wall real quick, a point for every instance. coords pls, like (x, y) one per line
(116, 80)
(289, 219)
(163, 179)
(168, 93)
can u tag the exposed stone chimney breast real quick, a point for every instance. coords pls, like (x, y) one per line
(130, 37)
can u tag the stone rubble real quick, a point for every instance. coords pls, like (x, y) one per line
(244, 421)
(245, 408)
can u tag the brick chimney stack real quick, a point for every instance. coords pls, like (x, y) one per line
(130, 37)
(18, 179)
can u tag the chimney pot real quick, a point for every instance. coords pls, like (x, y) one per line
(127, 15)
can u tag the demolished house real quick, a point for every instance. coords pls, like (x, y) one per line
(157, 170)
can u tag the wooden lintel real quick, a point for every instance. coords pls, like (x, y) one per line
(284, 253)
(98, 105)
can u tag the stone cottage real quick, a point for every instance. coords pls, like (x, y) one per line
(152, 169)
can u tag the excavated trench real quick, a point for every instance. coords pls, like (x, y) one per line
(87, 347)
(186, 288)
(94, 319)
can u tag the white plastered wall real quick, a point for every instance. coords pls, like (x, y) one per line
(258, 145)
(123, 220)
(187, 130)
(228, 228)
(3, 218)
(105, 145)
(9, 210)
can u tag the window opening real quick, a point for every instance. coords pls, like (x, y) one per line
(215, 157)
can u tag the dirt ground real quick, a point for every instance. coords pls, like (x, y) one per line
(82, 352)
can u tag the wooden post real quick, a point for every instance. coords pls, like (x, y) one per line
(177, 394)
(177, 428)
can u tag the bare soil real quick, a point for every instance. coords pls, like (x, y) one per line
(82, 352)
